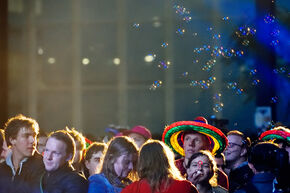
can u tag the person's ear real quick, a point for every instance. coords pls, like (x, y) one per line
(12, 140)
(69, 157)
(243, 152)
(87, 164)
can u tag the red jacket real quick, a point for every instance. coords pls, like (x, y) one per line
(222, 178)
(143, 186)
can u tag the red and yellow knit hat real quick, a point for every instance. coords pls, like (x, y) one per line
(173, 135)
(280, 132)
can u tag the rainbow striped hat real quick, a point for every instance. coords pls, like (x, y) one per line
(173, 135)
(280, 132)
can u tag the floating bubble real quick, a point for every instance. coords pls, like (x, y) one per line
(164, 64)
(269, 18)
(275, 33)
(136, 25)
(149, 58)
(253, 72)
(225, 18)
(274, 42)
(235, 124)
(274, 99)
(245, 42)
(183, 13)
(255, 82)
(270, 124)
(40, 51)
(218, 107)
(85, 61)
(196, 101)
(51, 60)
(217, 96)
(213, 117)
(204, 84)
(195, 61)
(216, 36)
(185, 74)
(195, 34)
(239, 91)
(187, 18)
(156, 84)
(232, 85)
(180, 31)
(164, 44)
(209, 29)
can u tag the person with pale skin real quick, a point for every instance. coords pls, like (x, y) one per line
(189, 137)
(93, 156)
(139, 134)
(201, 171)
(57, 158)
(118, 167)
(41, 141)
(23, 161)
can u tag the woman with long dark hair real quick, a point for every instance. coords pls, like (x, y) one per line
(157, 172)
(118, 167)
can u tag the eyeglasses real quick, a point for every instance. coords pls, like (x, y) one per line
(230, 145)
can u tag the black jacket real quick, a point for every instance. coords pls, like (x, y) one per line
(23, 182)
(63, 180)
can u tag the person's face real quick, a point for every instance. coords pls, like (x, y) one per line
(200, 170)
(220, 163)
(123, 165)
(93, 164)
(194, 142)
(287, 148)
(55, 155)
(24, 144)
(41, 144)
(138, 139)
(234, 149)
(78, 154)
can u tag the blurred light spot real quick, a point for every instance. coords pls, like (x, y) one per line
(85, 61)
(117, 61)
(51, 60)
(40, 51)
(149, 58)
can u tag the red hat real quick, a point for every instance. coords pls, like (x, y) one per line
(141, 130)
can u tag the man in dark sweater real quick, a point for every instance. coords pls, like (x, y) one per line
(23, 165)
(59, 176)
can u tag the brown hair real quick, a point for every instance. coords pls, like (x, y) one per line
(14, 124)
(118, 146)
(156, 165)
(94, 148)
(78, 138)
(65, 137)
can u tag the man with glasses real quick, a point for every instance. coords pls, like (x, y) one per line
(236, 155)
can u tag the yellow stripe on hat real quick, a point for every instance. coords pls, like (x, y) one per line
(175, 144)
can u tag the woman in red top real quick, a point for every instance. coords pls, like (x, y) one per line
(157, 172)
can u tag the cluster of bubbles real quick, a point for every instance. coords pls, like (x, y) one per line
(182, 12)
(269, 18)
(164, 45)
(217, 51)
(234, 86)
(245, 31)
(280, 70)
(218, 105)
(209, 64)
(204, 84)
(164, 64)
(156, 84)
(270, 124)
(180, 31)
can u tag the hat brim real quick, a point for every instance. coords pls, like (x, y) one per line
(172, 135)
(275, 134)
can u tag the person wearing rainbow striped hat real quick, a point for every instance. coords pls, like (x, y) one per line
(188, 137)
(279, 135)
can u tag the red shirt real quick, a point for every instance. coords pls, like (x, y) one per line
(222, 178)
(143, 186)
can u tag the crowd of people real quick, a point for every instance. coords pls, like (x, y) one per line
(193, 156)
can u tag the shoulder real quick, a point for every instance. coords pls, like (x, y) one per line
(97, 178)
(183, 185)
(219, 189)
(141, 186)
